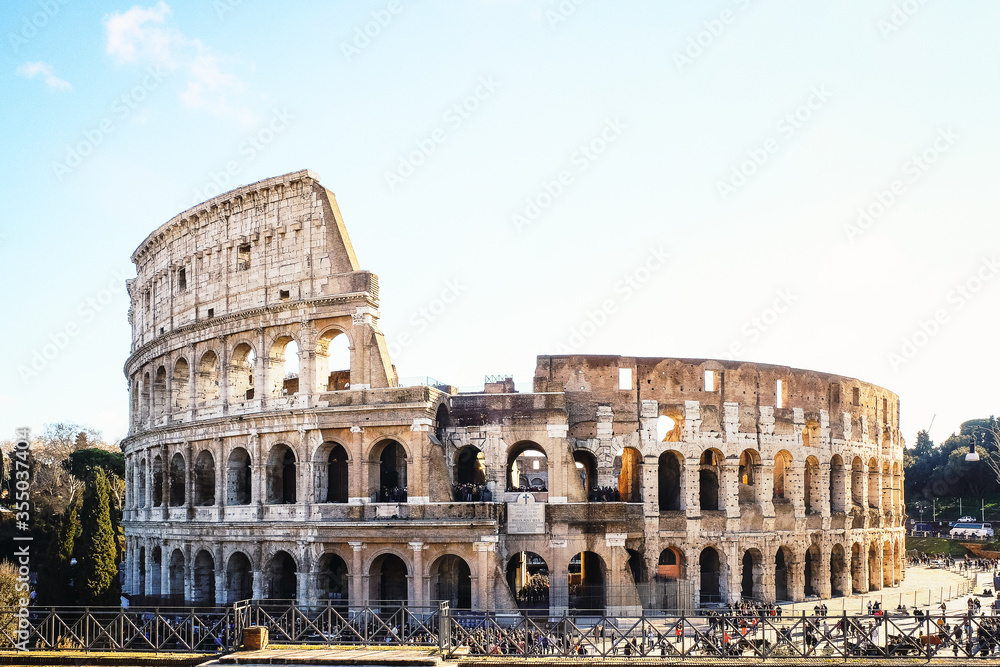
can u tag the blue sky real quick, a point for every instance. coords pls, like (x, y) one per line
(807, 184)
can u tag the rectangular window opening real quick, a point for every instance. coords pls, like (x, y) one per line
(709, 380)
(856, 393)
(243, 259)
(284, 294)
(624, 378)
(211, 312)
(182, 283)
(779, 398)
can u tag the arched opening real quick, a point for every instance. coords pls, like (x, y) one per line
(812, 570)
(669, 573)
(175, 574)
(284, 364)
(586, 582)
(204, 479)
(528, 580)
(668, 429)
(470, 468)
(838, 479)
(837, 567)
(142, 483)
(857, 483)
(781, 564)
(752, 575)
(281, 475)
(207, 388)
(874, 571)
(527, 468)
(242, 368)
(586, 467)
(388, 580)
(180, 384)
(748, 472)
(812, 486)
(810, 434)
(147, 385)
(669, 481)
(280, 577)
(874, 484)
(336, 475)
(157, 481)
(178, 473)
(332, 580)
(708, 480)
(637, 567)
(630, 476)
(238, 477)
(442, 421)
(710, 566)
(239, 578)
(391, 472)
(204, 578)
(160, 393)
(333, 361)
(451, 581)
(782, 464)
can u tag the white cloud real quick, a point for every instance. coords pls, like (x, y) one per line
(48, 74)
(141, 36)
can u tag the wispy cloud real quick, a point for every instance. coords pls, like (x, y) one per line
(48, 74)
(142, 36)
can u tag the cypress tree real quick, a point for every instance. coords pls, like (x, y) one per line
(97, 580)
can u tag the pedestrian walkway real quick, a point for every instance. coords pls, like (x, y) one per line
(297, 655)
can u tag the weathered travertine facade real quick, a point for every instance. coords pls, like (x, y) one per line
(662, 482)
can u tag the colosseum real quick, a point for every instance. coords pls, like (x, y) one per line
(273, 452)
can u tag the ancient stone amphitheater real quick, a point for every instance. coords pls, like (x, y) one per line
(273, 452)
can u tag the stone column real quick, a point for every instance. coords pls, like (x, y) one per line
(795, 487)
(825, 589)
(221, 583)
(258, 584)
(650, 485)
(165, 553)
(559, 578)
(484, 550)
(690, 488)
(729, 488)
(796, 577)
(824, 489)
(358, 596)
(417, 599)
(165, 482)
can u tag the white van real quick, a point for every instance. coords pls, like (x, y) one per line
(980, 530)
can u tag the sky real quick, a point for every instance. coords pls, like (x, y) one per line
(803, 184)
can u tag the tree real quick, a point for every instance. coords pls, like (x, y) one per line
(97, 582)
(56, 574)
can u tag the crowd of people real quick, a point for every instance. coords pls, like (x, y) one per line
(471, 493)
(393, 494)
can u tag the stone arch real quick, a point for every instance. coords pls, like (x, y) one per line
(203, 590)
(586, 466)
(280, 577)
(157, 490)
(451, 581)
(238, 477)
(388, 468)
(749, 472)
(671, 570)
(528, 580)
(874, 571)
(388, 579)
(527, 467)
(669, 472)
(176, 573)
(630, 476)
(782, 476)
(442, 421)
(178, 475)
(812, 486)
(587, 582)
(239, 578)
(669, 426)
(470, 466)
(207, 380)
(332, 580)
(752, 575)
(710, 569)
(812, 581)
(284, 362)
(204, 478)
(180, 384)
(709, 469)
(784, 558)
(838, 481)
(281, 475)
(242, 368)
(331, 467)
(837, 571)
(160, 398)
(333, 360)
